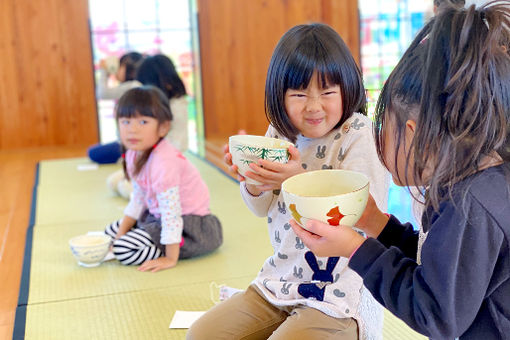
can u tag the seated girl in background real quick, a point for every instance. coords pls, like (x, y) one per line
(125, 75)
(443, 123)
(159, 71)
(168, 215)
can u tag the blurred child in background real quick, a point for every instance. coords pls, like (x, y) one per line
(168, 215)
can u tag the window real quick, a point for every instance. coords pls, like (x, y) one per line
(148, 27)
(387, 29)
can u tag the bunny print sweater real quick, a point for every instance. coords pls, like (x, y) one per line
(293, 275)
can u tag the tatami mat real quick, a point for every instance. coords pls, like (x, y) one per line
(66, 301)
(56, 276)
(137, 315)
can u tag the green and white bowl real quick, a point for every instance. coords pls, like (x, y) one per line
(246, 149)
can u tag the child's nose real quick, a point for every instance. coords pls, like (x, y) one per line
(132, 127)
(313, 104)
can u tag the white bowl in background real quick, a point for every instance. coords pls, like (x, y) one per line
(90, 250)
(246, 149)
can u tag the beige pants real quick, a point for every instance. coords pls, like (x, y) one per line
(249, 316)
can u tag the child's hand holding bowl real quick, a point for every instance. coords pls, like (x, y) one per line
(326, 240)
(262, 161)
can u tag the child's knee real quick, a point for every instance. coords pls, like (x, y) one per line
(112, 228)
(199, 330)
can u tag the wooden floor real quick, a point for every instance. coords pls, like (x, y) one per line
(17, 169)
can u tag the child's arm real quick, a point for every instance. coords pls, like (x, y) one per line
(258, 201)
(169, 203)
(133, 210)
(125, 225)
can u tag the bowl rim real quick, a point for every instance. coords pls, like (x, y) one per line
(107, 239)
(327, 196)
(262, 137)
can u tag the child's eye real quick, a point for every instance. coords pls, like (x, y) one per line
(329, 93)
(143, 122)
(298, 95)
(124, 121)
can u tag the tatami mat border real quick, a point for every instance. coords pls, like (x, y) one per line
(21, 309)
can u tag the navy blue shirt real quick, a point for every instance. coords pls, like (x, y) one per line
(462, 287)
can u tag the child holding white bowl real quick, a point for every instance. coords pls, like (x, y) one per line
(315, 99)
(444, 124)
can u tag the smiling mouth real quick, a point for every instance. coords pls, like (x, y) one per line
(314, 121)
(132, 141)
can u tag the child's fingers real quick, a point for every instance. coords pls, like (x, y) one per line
(262, 179)
(318, 228)
(265, 173)
(303, 234)
(268, 165)
(294, 153)
(227, 158)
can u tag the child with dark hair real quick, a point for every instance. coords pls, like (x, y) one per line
(125, 75)
(159, 71)
(168, 216)
(315, 98)
(442, 123)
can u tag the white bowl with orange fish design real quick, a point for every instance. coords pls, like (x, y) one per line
(336, 197)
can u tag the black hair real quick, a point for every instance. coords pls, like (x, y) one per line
(301, 51)
(159, 70)
(454, 80)
(438, 3)
(131, 61)
(146, 101)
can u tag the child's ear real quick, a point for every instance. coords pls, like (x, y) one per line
(163, 129)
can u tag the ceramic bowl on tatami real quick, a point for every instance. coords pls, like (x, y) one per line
(336, 197)
(246, 149)
(90, 250)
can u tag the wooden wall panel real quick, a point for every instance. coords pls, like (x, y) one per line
(237, 38)
(46, 75)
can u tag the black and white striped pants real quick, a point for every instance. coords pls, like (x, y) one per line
(135, 247)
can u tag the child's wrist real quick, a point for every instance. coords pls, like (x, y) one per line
(252, 190)
(357, 248)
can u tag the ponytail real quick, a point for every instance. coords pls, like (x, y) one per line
(465, 107)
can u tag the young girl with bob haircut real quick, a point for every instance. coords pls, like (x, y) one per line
(168, 215)
(443, 123)
(316, 99)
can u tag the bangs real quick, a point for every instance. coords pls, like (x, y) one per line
(310, 58)
(146, 101)
(130, 109)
